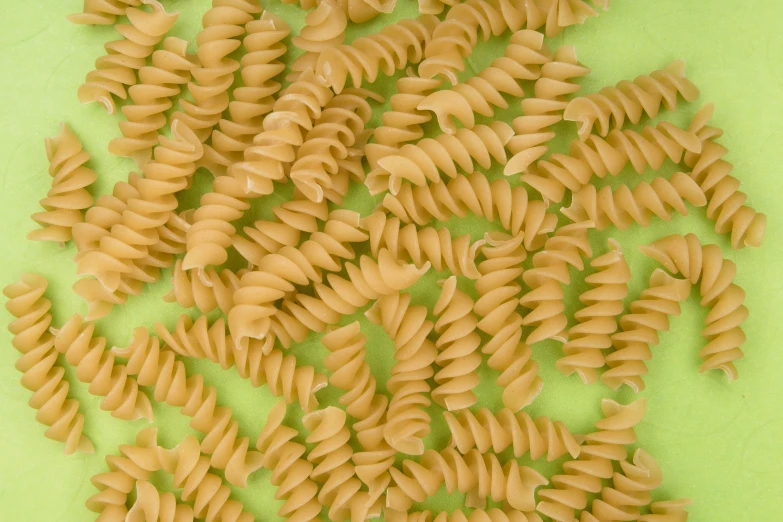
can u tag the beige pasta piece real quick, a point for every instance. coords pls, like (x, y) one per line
(324, 29)
(102, 12)
(358, 11)
(152, 97)
(206, 290)
(495, 432)
(603, 303)
(497, 201)
(631, 489)
(432, 159)
(639, 329)
(407, 423)
(611, 106)
(550, 271)
(117, 69)
(726, 203)
(723, 298)
(668, 511)
(565, 13)
(477, 515)
(615, 432)
(153, 506)
(38, 363)
(222, 26)
(68, 197)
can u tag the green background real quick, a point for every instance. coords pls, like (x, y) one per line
(719, 443)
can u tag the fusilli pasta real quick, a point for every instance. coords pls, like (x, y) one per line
(102, 12)
(324, 29)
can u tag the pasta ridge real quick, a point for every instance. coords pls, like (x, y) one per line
(102, 12)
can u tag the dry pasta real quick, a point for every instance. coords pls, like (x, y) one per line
(324, 29)
(102, 12)
(667, 511)
(153, 506)
(477, 515)
(565, 13)
(68, 197)
(206, 290)
(631, 489)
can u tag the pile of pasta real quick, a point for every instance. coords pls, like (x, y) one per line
(240, 108)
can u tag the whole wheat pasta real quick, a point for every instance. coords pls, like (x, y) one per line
(68, 197)
(102, 12)
(324, 29)
(117, 69)
(38, 363)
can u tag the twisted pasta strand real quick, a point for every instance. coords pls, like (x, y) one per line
(153, 506)
(565, 13)
(213, 290)
(631, 489)
(668, 511)
(124, 57)
(324, 29)
(597, 320)
(102, 12)
(477, 515)
(68, 197)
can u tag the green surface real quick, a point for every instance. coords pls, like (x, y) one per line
(717, 442)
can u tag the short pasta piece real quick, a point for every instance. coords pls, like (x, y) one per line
(324, 29)
(102, 12)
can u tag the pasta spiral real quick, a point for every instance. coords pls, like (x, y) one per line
(644, 95)
(550, 271)
(153, 506)
(639, 329)
(726, 202)
(598, 156)
(423, 162)
(407, 422)
(290, 472)
(117, 69)
(498, 318)
(668, 511)
(222, 25)
(487, 431)
(522, 60)
(68, 197)
(151, 97)
(324, 29)
(687, 256)
(38, 363)
(631, 489)
(207, 290)
(458, 344)
(497, 201)
(565, 13)
(477, 515)
(102, 12)
(603, 303)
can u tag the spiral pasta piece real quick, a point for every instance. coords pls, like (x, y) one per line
(615, 431)
(668, 511)
(550, 271)
(153, 506)
(726, 205)
(598, 156)
(497, 201)
(117, 69)
(102, 12)
(407, 422)
(603, 303)
(68, 197)
(477, 515)
(565, 13)
(496, 309)
(290, 472)
(358, 11)
(705, 264)
(387, 51)
(639, 329)
(152, 97)
(38, 363)
(206, 291)
(522, 60)
(611, 106)
(488, 431)
(631, 489)
(422, 163)
(324, 29)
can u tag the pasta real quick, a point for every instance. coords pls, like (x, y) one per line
(207, 290)
(151, 97)
(324, 29)
(687, 256)
(631, 489)
(68, 197)
(477, 515)
(667, 511)
(407, 422)
(102, 12)
(117, 69)
(597, 320)
(645, 95)
(38, 363)
(565, 13)
(153, 506)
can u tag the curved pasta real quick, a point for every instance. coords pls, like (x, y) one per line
(102, 12)
(497, 201)
(153, 506)
(624, 206)
(726, 205)
(615, 431)
(488, 431)
(38, 363)
(477, 515)
(550, 271)
(207, 290)
(152, 97)
(667, 511)
(522, 60)
(406, 421)
(422, 163)
(631, 489)
(68, 197)
(324, 29)
(611, 106)
(598, 156)
(117, 69)
(639, 329)
(603, 303)
(565, 13)
(222, 25)
(496, 309)
(705, 263)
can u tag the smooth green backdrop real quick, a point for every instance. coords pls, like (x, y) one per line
(719, 443)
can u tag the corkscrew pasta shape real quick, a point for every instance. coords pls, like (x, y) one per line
(324, 29)
(631, 489)
(68, 197)
(102, 12)
(477, 515)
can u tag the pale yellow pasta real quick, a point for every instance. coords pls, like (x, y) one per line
(611, 106)
(102, 12)
(631, 489)
(603, 303)
(152, 97)
(477, 515)
(68, 197)
(668, 511)
(324, 29)
(38, 363)
(117, 69)
(358, 11)
(153, 506)
(615, 431)
(724, 299)
(565, 13)
(206, 290)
